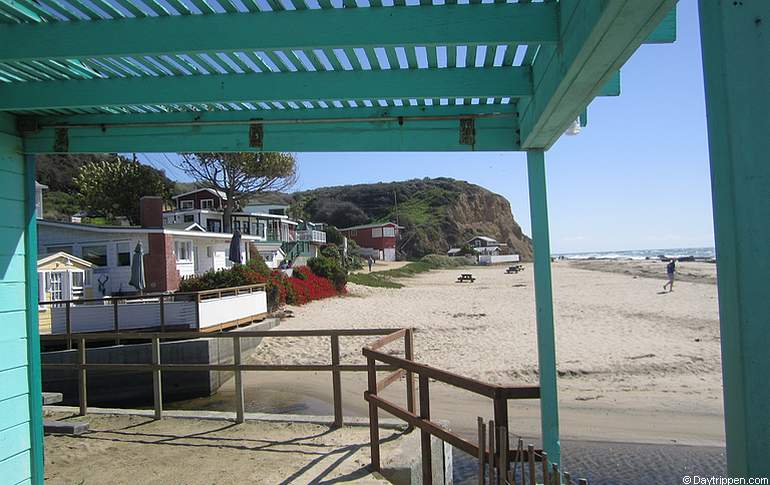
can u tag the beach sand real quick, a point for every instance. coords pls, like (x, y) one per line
(122, 449)
(635, 364)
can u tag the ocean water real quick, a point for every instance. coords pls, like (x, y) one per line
(700, 253)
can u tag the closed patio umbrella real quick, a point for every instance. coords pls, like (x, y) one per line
(137, 268)
(235, 247)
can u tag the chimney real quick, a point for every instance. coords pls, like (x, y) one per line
(151, 212)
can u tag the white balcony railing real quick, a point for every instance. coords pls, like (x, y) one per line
(312, 236)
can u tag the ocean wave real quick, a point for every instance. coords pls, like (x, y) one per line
(642, 254)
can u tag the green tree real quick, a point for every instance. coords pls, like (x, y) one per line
(240, 175)
(114, 187)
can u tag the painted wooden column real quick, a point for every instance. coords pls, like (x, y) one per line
(33, 333)
(546, 346)
(21, 431)
(735, 39)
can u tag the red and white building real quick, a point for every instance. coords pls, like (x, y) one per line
(375, 240)
(171, 252)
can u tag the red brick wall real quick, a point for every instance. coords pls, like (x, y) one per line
(151, 212)
(160, 264)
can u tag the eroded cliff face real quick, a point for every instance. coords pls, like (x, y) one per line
(436, 213)
(481, 212)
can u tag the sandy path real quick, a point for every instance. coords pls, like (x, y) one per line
(622, 347)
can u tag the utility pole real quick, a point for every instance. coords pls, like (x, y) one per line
(395, 202)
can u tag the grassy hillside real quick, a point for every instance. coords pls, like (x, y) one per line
(436, 213)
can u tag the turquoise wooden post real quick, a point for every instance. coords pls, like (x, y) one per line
(33, 333)
(546, 346)
(735, 39)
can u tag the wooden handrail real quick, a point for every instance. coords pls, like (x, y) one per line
(499, 395)
(147, 296)
(249, 333)
(156, 367)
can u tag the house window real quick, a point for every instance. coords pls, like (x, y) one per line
(186, 204)
(255, 229)
(377, 232)
(183, 251)
(388, 232)
(189, 218)
(96, 255)
(213, 225)
(56, 249)
(124, 254)
(207, 203)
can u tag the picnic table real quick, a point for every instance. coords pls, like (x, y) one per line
(465, 277)
(514, 269)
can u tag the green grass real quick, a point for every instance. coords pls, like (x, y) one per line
(375, 280)
(384, 279)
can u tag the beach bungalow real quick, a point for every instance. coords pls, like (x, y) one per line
(61, 276)
(376, 240)
(171, 252)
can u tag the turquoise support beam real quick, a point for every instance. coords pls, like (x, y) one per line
(33, 332)
(492, 134)
(265, 87)
(498, 23)
(597, 38)
(546, 344)
(735, 39)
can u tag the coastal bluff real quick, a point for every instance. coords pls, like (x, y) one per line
(436, 213)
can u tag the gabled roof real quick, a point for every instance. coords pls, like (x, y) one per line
(483, 238)
(185, 226)
(218, 193)
(67, 256)
(368, 226)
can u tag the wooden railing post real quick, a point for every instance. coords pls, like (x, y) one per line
(409, 354)
(336, 381)
(82, 391)
(198, 311)
(162, 314)
(68, 324)
(482, 448)
(115, 323)
(374, 422)
(157, 383)
(425, 448)
(239, 401)
(501, 418)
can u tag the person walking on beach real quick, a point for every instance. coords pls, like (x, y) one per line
(370, 261)
(670, 270)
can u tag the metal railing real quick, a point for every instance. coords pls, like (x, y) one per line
(157, 367)
(160, 298)
(407, 366)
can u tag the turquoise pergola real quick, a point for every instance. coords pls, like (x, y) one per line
(82, 76)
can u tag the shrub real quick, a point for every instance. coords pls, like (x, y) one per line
(330, 269)
(330, 251)
(302, 287)
(257, 262)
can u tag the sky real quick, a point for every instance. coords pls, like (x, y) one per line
(637, 177)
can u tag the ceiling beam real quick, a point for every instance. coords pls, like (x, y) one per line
(264, 87)
(491, 134)
(597, 39)
(498, 23)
